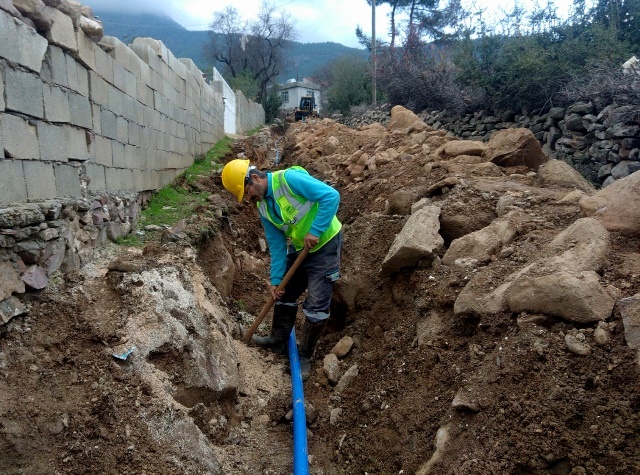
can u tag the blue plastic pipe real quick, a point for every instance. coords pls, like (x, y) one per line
(277, 151)
(300, 453)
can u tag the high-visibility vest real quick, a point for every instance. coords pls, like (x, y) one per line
(297, 212)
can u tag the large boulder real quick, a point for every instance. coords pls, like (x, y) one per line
(418, 240)
(175, 318)
(9, 281)
(9, 308)
(475, 299)
(402, 118)
(576, 297)
(91, 28)
(7, 6)
(29, 8)
(482, 244)
(616, 206)
(400, 201)
(560, 173)
(583, 246)
(569, 263)
(515, 147)
(630, 313)
(456, 148)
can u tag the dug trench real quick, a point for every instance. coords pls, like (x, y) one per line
(479, 327)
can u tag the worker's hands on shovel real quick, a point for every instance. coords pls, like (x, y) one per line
(275, 293)
(310, 241)
(280, 288)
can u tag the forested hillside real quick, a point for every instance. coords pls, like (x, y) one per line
(304, 59)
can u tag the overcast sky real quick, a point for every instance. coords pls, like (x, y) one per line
(315, 20)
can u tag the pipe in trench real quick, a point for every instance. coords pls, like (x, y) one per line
(300, 453)
(277, 150)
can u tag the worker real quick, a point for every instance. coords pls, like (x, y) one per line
(294, 207)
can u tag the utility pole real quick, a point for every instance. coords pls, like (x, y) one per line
(373, 51)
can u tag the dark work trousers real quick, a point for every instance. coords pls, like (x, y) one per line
(317, 274)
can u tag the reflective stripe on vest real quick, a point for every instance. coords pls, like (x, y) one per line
(301, 208)
(283, 190)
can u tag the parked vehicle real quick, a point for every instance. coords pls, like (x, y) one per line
(307, 108)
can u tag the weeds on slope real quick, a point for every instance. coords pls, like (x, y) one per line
(178, 200)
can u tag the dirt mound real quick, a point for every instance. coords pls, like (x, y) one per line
(437, 390)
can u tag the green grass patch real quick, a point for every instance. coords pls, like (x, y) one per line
(204, 165)
(219, 150)
(130, 240)
(170, 205)
(181, 198)
(252, 132)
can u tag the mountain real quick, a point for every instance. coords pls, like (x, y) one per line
(184, 43)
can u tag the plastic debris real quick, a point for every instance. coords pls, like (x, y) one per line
(125, 355)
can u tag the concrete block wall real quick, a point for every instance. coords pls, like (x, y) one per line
(81, 116)
(89, 128)
(249, 114)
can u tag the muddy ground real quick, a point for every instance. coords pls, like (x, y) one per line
(67, 406)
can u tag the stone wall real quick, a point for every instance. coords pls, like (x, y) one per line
(603, 144)
(37, 239)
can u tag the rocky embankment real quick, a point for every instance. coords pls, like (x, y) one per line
(486, 321)
(603, 144)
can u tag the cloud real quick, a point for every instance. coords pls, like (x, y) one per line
(315, 20)
(174, 9)
(135, 6)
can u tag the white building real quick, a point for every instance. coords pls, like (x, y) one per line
(292, 91)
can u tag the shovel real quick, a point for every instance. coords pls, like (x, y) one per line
(271, 301)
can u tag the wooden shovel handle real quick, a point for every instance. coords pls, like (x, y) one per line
(271, 301)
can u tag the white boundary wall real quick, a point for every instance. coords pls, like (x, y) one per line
(220, 85)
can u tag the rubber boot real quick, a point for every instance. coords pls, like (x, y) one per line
(284, 318)
(310, 335)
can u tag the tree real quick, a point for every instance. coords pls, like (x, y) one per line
(269, 36)
(450, 57)
(529, 67)
(271, 104)
(396, 7)
(420, 76)
(350, 83)
(544, 18)
(430, 18)
(251, 48)
(246, 83)
(226, 47)
(622, 16)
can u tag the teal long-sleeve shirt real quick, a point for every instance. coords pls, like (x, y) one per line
(312, 189)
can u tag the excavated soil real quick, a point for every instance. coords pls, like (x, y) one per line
(67, 406)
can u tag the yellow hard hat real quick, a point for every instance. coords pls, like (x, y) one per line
(233, 175)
